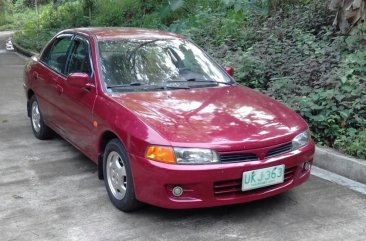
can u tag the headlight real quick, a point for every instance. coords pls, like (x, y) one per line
(179, 155)
(195, 155)
(300, 140)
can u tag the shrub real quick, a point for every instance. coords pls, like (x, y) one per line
(320, 75)
(353, 142)
(39, 29)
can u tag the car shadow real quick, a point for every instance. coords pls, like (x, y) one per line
(249, 210)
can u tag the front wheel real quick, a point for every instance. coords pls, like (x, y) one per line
(40, 129)
(118, 178)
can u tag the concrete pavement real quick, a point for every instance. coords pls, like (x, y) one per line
(50, 191)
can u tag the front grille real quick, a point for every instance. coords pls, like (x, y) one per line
(233, 187)
(279, 150)
(239, 157)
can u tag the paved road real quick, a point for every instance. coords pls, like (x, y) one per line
(49, 191)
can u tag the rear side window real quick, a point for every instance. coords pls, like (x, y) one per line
(57, 54)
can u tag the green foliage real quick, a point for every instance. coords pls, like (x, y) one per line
(320, 75)
(120, 13)
(353, 142)
(2, 19)
(259, 6)
(39, 29)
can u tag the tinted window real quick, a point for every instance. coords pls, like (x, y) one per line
(56, 58)
(79, 61)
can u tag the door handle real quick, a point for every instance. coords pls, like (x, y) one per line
(35, 75)
(59, 89)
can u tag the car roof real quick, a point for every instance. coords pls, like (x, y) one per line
(113, 33)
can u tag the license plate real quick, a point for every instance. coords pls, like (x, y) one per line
(263, 177)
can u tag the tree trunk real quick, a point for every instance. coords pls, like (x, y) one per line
(349, 14)
(36, 6)
(88, 6)
(2, 12)
(273, 7)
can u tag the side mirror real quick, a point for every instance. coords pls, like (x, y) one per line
(79, 80)
(229, 70)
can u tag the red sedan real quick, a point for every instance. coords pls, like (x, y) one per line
(165, 124)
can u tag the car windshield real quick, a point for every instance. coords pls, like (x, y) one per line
(130, 65)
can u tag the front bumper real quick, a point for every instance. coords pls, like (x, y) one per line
(214, 184)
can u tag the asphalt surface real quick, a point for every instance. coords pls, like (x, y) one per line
(50, 191)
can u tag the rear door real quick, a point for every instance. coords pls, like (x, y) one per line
(77, 103)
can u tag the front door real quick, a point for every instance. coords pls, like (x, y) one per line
(77, 103)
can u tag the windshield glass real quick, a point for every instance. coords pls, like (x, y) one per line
(157, 63)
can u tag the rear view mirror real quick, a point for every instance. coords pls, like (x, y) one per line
(229, 70)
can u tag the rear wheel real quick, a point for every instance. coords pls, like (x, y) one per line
(118, 178)
(40, 129)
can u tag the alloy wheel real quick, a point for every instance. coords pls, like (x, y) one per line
(116, 175)
(36, 117)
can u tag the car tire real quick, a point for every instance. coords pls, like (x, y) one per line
(118, 177)
(40, 129)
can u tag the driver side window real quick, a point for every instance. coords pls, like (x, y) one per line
(56, 57)
(79, 60)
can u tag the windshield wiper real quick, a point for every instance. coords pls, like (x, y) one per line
(125, 85)
(200, 81)
(170, 87)
(213, 81)
(146, 87)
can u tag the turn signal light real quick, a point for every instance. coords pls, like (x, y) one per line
(161, 154)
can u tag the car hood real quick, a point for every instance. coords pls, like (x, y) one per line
(234, 117)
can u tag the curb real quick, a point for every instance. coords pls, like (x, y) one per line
(333, 161)
(22, 50)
